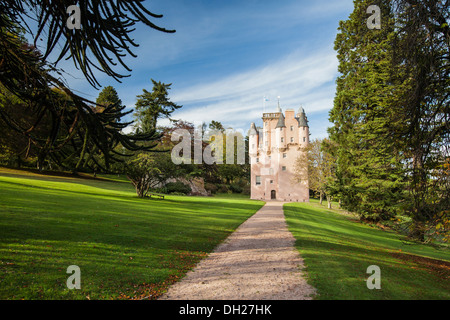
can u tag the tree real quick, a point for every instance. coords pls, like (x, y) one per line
(317, 166)
(147, 170)
(101, 43)
(151, 106)
(391, 112)
(108, 96)
(368, 167)
(423, 109)
(216, 125)
(90, 157)
(25, 72)
(141, 172)
(230, 170)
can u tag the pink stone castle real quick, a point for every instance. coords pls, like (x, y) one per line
(273, 151)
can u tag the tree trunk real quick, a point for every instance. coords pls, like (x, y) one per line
(329, 201)
(40, 161)
(321, 197)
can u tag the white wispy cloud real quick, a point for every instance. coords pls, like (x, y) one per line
(298, 79)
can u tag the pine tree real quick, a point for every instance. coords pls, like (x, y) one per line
(391, 113)
(369, 168)
(423, 109)
(150, 106)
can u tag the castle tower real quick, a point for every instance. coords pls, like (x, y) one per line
(273, 151)
(303, 132)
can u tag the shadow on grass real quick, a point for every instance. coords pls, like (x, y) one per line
(117, 238)
(337, 251)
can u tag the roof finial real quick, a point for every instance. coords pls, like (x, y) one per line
(301, 110)
(279, 108)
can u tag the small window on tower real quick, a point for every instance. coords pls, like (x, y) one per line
(304, 139)
(258, 180)
(284, 155)
(292, 139)
(283, 168)
(257, 160)
(282, 139)
(292, 128)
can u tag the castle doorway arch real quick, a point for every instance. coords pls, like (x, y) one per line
(273, 194)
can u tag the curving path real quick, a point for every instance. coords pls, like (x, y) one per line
(257, 262)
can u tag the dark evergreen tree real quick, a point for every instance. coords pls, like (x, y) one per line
(101, 43)
(369, 169)
(151, 106)
(391, 113)
(423, 110)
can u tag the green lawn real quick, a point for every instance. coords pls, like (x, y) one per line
(125, 247)
(337, 250)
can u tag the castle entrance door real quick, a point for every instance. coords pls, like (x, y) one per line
(273, 194)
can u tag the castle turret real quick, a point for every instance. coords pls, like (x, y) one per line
(280, 130)
(303, 128)
(253, 141)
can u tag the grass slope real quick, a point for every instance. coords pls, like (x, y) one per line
(125, 247)
(337, 251)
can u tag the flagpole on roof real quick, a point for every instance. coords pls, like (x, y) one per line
(264, 103)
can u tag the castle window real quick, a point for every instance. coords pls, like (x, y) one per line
(304, 128)
(283, 168)
(284, 155)
(258, 180)
(282, 139)
(304, 139)
(292, 139)
(257, 160)
(271, 181)
(292, 128)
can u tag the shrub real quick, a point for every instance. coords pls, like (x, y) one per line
(222, 188)
(235, 188)
(246, 190)
(178, 187)
(211, 188)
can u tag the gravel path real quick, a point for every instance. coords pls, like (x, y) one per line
(257, 262)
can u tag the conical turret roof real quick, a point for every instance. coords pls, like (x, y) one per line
(280, 123)
(302, 121)
(253, 130)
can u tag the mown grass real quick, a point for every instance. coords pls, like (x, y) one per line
(126, 247)
(338, 249)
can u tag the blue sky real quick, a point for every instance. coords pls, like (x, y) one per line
(227, 55)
